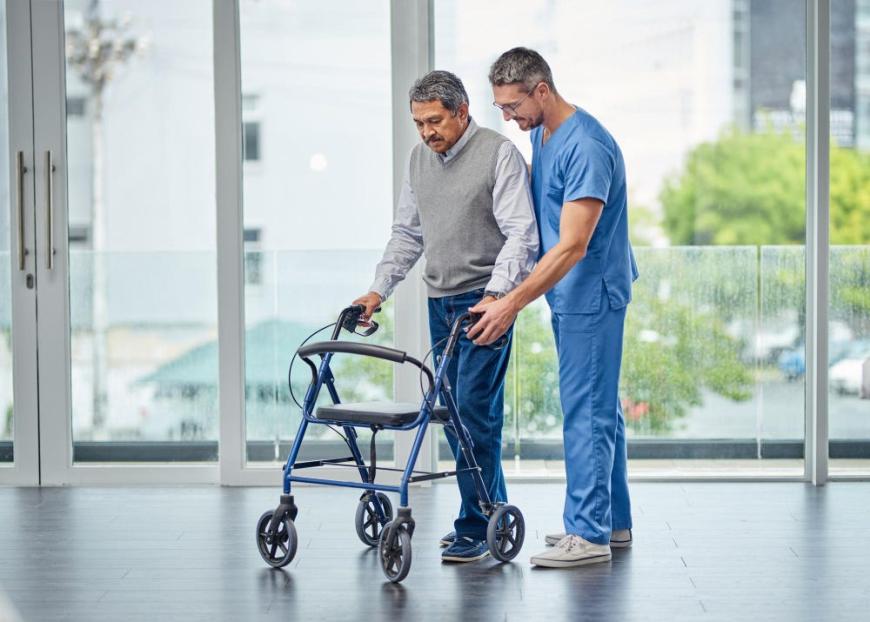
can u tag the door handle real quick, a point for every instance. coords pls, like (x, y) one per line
(21, 170)
(49, 205)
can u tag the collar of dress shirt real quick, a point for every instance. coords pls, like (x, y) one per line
(463, 140)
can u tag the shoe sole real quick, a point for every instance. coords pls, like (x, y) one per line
(555, 563)
(464, 559)
(614, 544)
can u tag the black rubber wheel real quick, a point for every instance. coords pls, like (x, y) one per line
(368, 527)
(505, 533)
(395, 555)
(279, 547)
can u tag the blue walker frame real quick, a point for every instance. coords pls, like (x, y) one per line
(503, 518)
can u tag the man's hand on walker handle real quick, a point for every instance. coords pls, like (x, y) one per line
(371, 302)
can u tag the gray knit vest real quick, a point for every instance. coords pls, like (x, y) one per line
(461, 238)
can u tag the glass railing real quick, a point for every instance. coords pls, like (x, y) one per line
(160, 352)
(849, 351)
(713, 347)
(713, 351)
(289, 295)
(154, 350)
(700, 346)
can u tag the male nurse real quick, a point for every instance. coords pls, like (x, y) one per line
(586, 269)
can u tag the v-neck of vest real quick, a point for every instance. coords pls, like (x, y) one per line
(455, 156)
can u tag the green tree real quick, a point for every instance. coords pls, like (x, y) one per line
(675, 347)
(672, 352)
(743, 189)
(749, 189)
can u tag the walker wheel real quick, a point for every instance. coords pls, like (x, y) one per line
(277, 547)
(505, 533)
(368, 526)
(394, 551)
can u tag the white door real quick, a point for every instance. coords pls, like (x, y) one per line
(125, 225)
(19, 449)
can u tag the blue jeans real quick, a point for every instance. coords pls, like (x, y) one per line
(590, 355)
(476, 375)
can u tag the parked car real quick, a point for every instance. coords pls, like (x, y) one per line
(764, 342)
(792, 364)
(846, 376)
(791, 360)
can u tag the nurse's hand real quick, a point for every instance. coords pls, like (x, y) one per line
(497, 318)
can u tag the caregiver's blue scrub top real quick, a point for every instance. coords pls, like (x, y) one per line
(582, 160)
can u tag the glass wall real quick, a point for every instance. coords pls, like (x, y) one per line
(316, 94)
(849, 311)
(140, 139)
(707, 101)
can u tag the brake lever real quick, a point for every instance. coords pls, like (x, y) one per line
(372, 328)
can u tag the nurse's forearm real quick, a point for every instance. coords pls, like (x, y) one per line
(576, 223)
(555, 264)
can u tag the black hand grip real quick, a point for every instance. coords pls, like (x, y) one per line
(455, 331)
(350, 316)
(349, 319)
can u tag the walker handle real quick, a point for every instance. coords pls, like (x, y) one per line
(348, 319)
(471, 319)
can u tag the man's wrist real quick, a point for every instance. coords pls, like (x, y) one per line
(492, 294)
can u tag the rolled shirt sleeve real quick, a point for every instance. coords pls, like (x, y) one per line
(515, 215)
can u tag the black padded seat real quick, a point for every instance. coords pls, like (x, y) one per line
(378, 413)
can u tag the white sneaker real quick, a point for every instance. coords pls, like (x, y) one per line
(572, 551)
(619, 539)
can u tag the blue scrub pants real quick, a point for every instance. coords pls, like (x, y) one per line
(590, 354)
(477, 375)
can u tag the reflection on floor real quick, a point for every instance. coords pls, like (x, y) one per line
(718, 551)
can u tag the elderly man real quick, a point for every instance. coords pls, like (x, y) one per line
(465, 205)
(586, 270)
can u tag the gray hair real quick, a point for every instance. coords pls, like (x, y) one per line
(441, 85)
(521, 65)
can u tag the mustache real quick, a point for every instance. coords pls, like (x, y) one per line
(433, 138)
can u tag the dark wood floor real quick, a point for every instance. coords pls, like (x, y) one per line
(704, 551)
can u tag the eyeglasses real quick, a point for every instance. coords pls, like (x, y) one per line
(511, 109)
